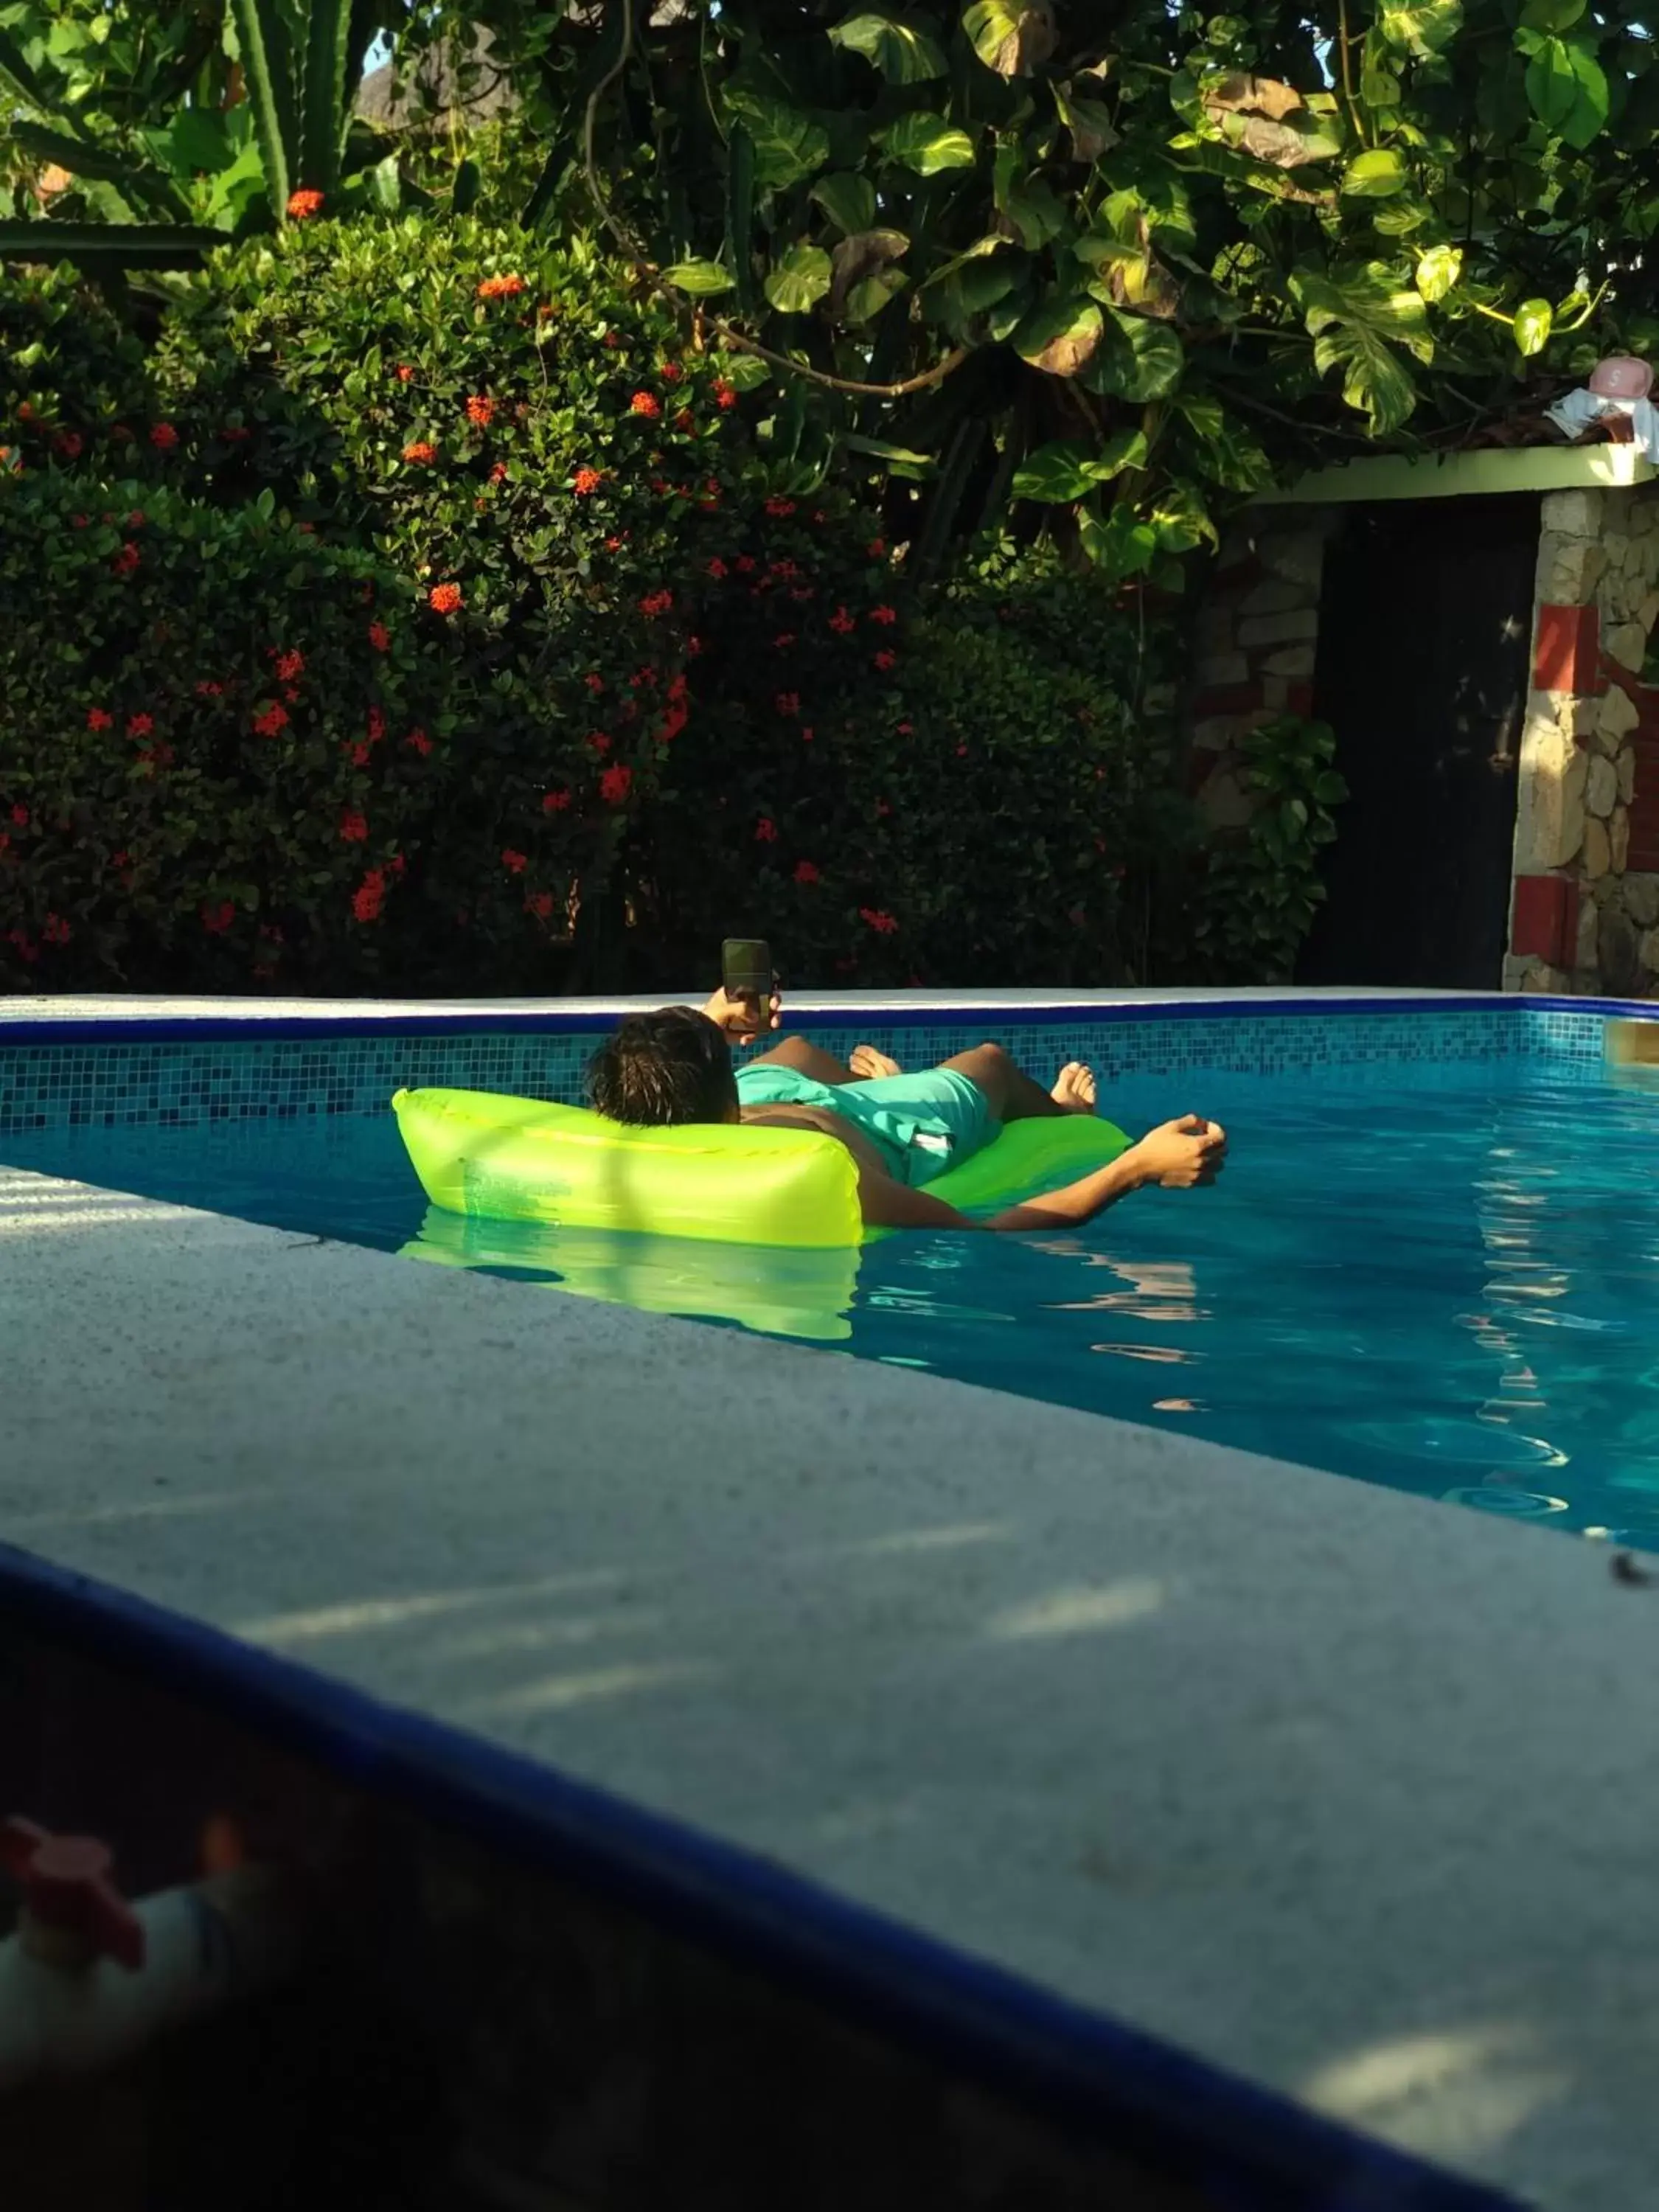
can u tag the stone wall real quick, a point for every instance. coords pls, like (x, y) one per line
(1256, 635)
(1585, 917)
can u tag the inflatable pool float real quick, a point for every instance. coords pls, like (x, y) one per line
(523, 1159)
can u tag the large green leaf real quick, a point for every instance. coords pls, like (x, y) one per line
(927, 143)
(848, 200)
(1422, 30)
(263, 30)
(1439, 271)
(19, 79)
(1532, 319)
(1377, 174)
(1119, 542)
(1059, 336)
(1356, 319)
(1056, 474)
(1138, 359)
(904, 51)
(799, 279)
(1013, 37)
(700, 279)
(1567, 89)
(109, 244)
(789, 145)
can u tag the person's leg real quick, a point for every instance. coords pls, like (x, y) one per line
(805, 1059)
(1013, 1096)
(823, 1066)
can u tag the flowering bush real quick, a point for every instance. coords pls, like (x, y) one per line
(673, 687)
(232, 755)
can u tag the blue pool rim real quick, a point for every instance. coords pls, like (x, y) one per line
(1223, 2135)
(806, 1013)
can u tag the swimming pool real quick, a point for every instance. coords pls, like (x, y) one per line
(1433, 1261)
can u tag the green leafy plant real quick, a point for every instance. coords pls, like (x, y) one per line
(139, 142)
(993, 239)
(1263, 885)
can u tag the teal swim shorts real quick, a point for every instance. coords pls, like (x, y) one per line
(920, 1124)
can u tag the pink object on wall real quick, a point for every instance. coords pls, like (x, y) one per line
(1621, 377)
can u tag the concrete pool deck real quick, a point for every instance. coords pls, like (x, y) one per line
(1348, 1792)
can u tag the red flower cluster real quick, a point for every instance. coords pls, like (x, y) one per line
(670, 371)
(656, 603)
(614, 785)
(305, 203)
(379, 637)
(599, 743)
(418, 742)
(480, 410)
(514, 863)
(20, 815)
(289, 666)
(163, 437)
(806, 872)
(271, 721)
(420, 450)
(842, 622)
(97, 718)
(726, 395)
(781, 508)
(787, 702)
(56, 931)
(125, 561)
(540, 903)
(883, 924)
(67, 443)
(885, 615)
(886, 660)
(585, 482)
(555, 802)
(501, 288)
(445, 599)
(498, 474)
(140, 726)
(717, 567)
(354, 828)
(593, 680)
(217, 919)
(369, 895)
(766, 831)
(646, 403)
(403, 372)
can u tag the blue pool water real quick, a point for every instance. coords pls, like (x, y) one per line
(1453, 1289)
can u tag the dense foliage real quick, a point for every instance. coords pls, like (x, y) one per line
(662, 686)
(1121, 263)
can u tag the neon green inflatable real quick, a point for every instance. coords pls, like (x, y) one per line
(523, 1159)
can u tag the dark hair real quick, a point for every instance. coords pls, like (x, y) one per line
(660, 1070)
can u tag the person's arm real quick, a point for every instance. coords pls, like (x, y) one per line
(1176, 1156)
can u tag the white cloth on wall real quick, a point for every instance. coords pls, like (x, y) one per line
(1580, 409)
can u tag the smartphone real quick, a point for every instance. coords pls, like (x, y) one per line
(746, 973)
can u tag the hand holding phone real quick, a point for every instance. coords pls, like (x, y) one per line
(751, 1003)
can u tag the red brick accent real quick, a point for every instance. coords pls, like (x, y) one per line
(1567, 652)
(1645, 804)
(1546, 921)
(1298, 700)
(1226, 699)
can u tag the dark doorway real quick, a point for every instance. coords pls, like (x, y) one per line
(1424, 640)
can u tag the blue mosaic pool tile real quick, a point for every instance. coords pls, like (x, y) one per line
(258, 1078)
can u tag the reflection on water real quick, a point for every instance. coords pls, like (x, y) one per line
(1452, 1290)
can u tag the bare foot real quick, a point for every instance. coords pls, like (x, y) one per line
(1074, 1088)
(867, 1063)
